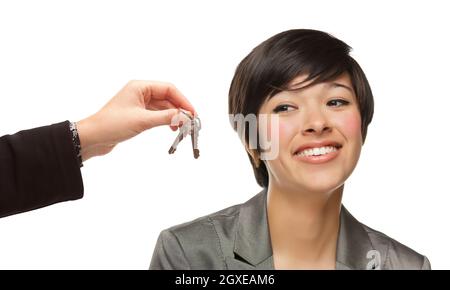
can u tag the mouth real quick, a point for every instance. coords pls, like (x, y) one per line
(318, 152)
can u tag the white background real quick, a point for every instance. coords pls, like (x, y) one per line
(63, 60)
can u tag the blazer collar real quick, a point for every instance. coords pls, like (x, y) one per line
(353, 244)
(252, 241)
(253, 249)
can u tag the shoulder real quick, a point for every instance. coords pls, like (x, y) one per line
(207, 226)
(395, 255)
(202, 243)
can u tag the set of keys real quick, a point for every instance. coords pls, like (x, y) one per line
(191, 126)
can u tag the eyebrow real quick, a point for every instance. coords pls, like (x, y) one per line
(339, 85)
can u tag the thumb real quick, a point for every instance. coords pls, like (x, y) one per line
(160, 117)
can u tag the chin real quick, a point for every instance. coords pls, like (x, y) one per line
(320, 184)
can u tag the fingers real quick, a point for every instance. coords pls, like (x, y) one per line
(160, 105)
(159, 118)
(177, 98)
(160, 91)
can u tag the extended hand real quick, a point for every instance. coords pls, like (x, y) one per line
(139, 106)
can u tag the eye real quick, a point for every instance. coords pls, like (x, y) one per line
(338, 103)
(283, 108)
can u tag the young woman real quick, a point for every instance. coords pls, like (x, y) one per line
(322, 103)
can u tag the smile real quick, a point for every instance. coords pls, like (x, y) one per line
(318, 154)
(317, 151)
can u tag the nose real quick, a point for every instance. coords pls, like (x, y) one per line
(316, 124)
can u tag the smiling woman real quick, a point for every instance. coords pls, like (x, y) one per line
(322, 103)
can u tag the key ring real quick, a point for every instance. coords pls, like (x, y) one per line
(188, 128)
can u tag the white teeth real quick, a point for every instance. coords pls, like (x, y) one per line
(317, 151)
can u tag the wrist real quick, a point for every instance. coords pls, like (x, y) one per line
(88, 134)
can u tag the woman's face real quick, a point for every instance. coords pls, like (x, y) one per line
(319, 135)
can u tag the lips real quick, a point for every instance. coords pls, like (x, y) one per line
(317, 145)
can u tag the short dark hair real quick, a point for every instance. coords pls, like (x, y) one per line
(273, 64)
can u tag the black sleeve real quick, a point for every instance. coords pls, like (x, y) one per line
(38, 167)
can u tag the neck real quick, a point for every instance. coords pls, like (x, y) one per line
(303, 227)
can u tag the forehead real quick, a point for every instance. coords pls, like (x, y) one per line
(298, 82)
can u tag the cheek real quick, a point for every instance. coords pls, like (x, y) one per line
(287, 131)
(280, 129)
(350, 126)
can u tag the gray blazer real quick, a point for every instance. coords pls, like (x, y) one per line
(237, 238)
